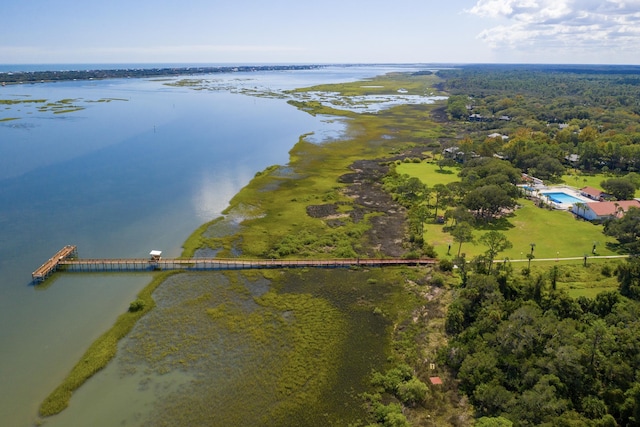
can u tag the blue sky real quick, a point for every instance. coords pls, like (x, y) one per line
(329, 31)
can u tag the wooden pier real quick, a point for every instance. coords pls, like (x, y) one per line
(65, 260)
(54, 262)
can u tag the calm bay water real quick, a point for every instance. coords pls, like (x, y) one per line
(139, 168)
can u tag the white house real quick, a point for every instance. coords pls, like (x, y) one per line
(599, 211)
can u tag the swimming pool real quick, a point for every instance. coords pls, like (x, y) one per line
(562, 198)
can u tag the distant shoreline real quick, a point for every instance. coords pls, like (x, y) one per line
(22, 77)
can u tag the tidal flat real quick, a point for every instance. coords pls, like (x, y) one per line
(24, 105)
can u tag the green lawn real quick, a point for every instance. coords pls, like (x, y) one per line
(429, 173)
(555, 233)
(580, 181)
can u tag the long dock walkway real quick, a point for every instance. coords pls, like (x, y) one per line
(66, 263)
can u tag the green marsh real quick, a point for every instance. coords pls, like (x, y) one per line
(265, 349)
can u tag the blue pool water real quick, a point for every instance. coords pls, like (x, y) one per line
(562, 198)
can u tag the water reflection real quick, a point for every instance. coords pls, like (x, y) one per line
(214, 191)
(333, 129)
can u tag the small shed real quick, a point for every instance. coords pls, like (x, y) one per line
(155, 255)
(592, 193)
(435, 380)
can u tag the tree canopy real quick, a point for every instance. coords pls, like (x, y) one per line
(532, 355)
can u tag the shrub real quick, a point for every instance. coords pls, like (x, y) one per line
(390, 415)
(412, 391)
(136, 305)
(445, 265)
(437, 280)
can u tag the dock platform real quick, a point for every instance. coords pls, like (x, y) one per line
(53, 263)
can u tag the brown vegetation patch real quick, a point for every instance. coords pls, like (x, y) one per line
(322, 211)
(388, 228)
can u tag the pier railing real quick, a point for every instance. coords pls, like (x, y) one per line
(66, 259)
(52, 264)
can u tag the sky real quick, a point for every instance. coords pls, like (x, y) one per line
(320, 31)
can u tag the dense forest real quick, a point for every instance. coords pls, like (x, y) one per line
(522, 350)
(550, 114)
(525, 351)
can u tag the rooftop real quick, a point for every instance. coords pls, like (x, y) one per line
(612, 208)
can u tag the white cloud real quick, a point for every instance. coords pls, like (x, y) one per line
(582, 25)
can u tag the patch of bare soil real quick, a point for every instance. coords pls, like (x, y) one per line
(440, 114)
(322, 211)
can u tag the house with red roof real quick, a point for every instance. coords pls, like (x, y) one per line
(600, 211)
(593, 193)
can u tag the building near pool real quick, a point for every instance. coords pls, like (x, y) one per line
(593, 193)
(588, 202)
(600, 211)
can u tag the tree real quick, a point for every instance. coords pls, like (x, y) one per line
(631, 405)
(580, 206)
(626, 229)
(136, 305)
(488, 201)
(629, 278)
(442, 196)
(462, 214)
(457, 106)
(410, 190)
(462, 233)
(445, 162)
(620, 188)
(496, 242)
(412, 391)
(492, 398)
(493, 422)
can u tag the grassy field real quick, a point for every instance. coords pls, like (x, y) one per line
(578, 180)
(555, 233)
(429, 173)
(573, 277)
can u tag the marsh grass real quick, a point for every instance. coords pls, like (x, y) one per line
(21, 101)
(100, 352)
(266, 347)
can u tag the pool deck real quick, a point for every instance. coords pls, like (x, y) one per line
(569, 191)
